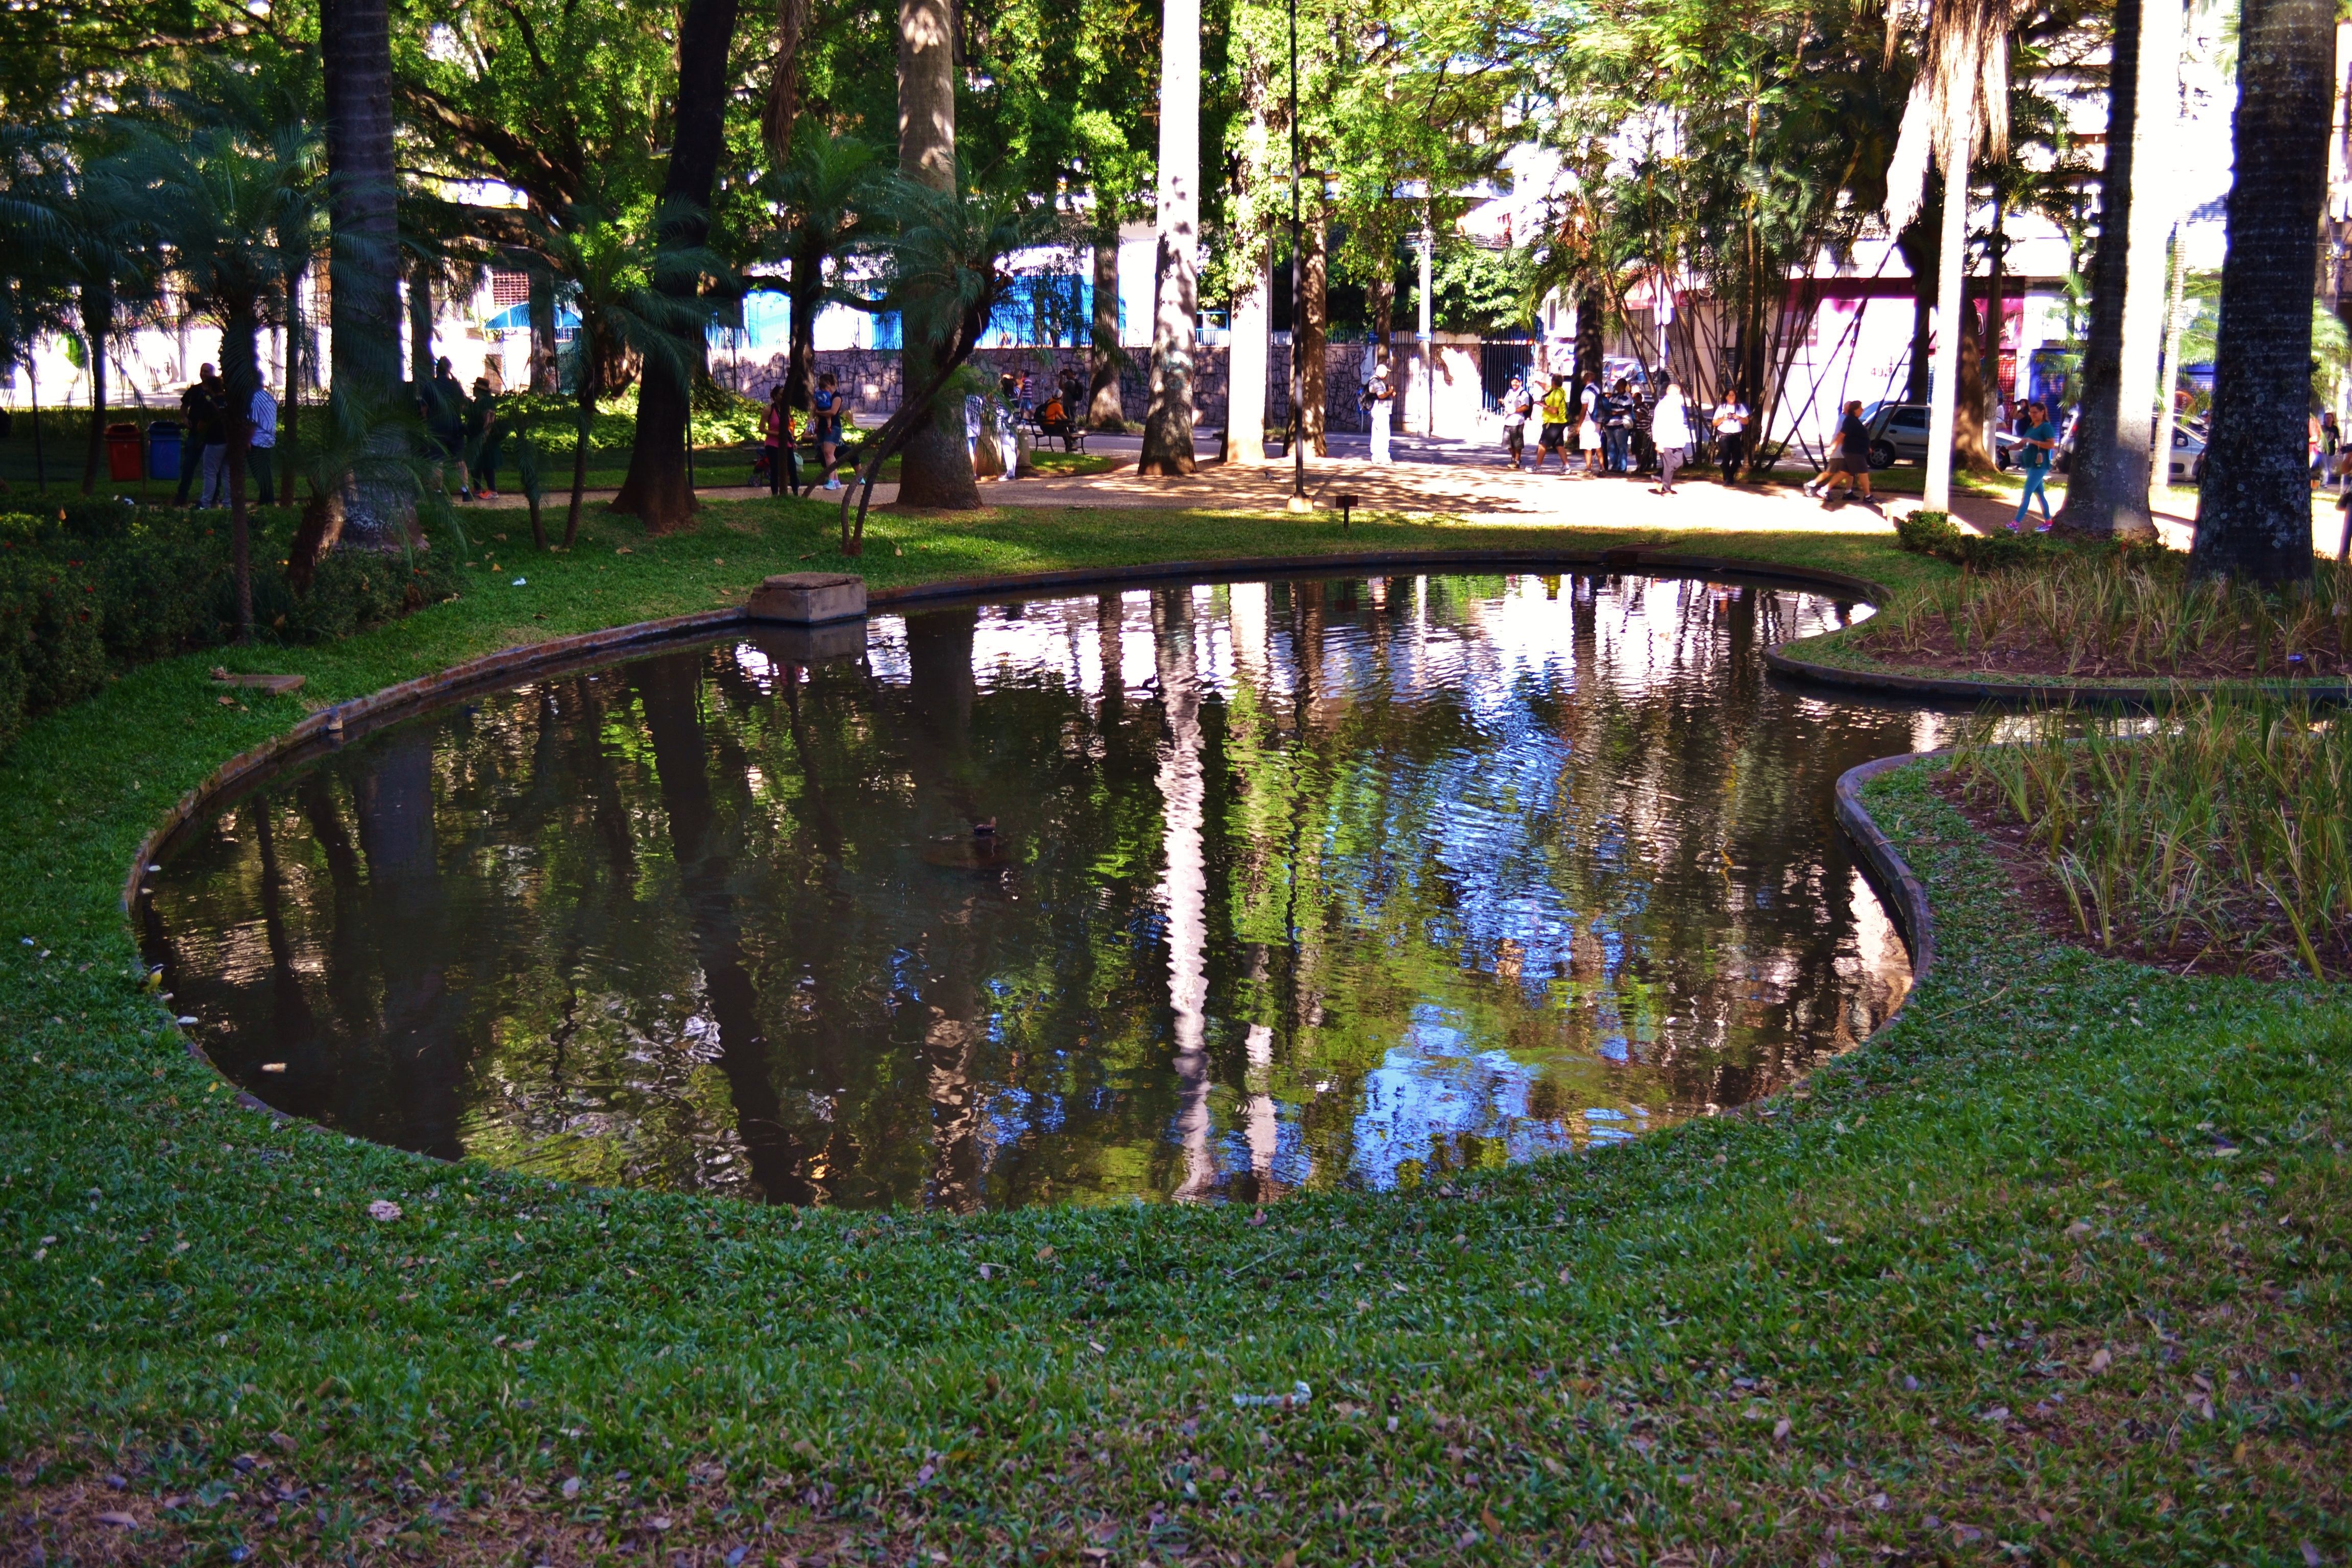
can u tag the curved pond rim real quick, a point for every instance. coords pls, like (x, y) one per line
(331, 727)
(341, 723)
(2056, 693)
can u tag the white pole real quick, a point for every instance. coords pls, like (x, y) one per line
(1428, 367)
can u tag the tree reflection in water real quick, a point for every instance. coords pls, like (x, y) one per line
(1206, 890)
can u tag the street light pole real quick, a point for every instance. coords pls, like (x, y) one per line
(1298, 502)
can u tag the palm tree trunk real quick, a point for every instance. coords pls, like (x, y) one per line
(2099, 493)
(97, 328)
(1168, 418)
(546, 378)
(1105, 408)
(934, 469)
(2253, 517)
(1951, 279)
(1917, 244)
(659, 487)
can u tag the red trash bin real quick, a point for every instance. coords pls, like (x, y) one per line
(126, 453)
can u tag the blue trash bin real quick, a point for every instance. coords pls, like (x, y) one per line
(164, 450)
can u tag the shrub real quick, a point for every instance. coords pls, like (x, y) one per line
(1935, 533)
(105, 585)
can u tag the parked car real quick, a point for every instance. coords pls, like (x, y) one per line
(2188, 465)
(1898, 433)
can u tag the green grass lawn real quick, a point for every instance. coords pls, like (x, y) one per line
(2054, 1270)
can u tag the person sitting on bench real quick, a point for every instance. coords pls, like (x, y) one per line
(1054, 419)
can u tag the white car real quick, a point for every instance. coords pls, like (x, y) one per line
(2188, 465)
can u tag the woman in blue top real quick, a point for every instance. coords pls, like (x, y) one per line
(2033, 453)
(825, 409)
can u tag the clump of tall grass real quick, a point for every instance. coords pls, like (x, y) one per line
(2222, 834)
(2124, 612)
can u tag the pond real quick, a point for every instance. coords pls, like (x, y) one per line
(1206, 890)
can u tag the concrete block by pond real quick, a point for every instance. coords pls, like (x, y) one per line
(809, 598)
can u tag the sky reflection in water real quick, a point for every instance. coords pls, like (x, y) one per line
(1291, 884)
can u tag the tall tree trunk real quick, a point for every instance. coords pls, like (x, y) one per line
(364, 296)
(1106, 410)
(659, 489)
(1246, 361)
(1971, 449)
(241, 376)
(289, 415)
(586, 420)
(783, 105)
(1308, 339)
(2253, 515)
(807, 297)
(1951, 323)
(934, 469)
(97, 329)
(1168, 417)
(1917, 245)
(2106, 480)
(546, 375)
(420, 325)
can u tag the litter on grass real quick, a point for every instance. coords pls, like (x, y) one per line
(1295, 1400)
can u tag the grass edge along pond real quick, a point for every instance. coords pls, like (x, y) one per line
(2058, 1260)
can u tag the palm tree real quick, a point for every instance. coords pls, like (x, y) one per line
(217, 198)
(1168, 418)
(825, 187)
(1959, 100)
(2106, 485)
(946, 248)
(624, 283)
(2253, 515)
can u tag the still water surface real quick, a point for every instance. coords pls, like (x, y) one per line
(1209, 891)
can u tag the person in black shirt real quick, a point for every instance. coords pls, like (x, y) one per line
(200, 405)
(1850, 457)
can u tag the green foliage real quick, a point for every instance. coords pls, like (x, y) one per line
(1953, 1220)
(1482, 290)
(2224, 835)
(105, 587)
(1925, 532)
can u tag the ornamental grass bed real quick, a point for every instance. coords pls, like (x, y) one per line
(2104, 614)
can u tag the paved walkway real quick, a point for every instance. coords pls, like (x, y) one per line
(1467, 479)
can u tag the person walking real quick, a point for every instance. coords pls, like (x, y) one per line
(1670, 433)
(1516, 406)
(1849, 457)
(2034, 454)
(776, 434)
(824, 410)
(261, 448)
(1588, 423)
(483, 437)
(1730, 436)
(1379, 402)
(1554, 434)
(1004, 423)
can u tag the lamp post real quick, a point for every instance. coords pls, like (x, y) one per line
(1298, 502)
